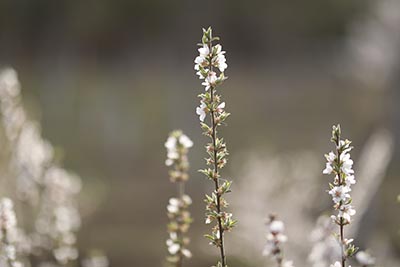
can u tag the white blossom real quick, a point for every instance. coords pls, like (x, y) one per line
(201, 60)
(219, 59)
(173, 143)
(220, 107)
(186, 253)
(173, 248)
(201, 111)
(173, 206)
(277, 227)
(275, 239)
(340, 193)
(346, 211)
(328, 169)
(210, 80)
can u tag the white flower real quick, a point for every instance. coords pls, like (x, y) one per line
(173, 235)
(204, 51)
(347, 163)
(336, 264)
(210, 80)
(345, 211)
(169, 242)
(328, 169)
(219, 59)
(186, 253)
(330, 157)
(172, 152)
(201, 60)
(364, 258)
(330, 160)
(169, 162)
(345, 145)
(340, 193)
(185, 141)
(174, 248)
(349, 180)
(186, 199)
(348, 241)
(220, 107)
(171, 143)
(201, 111)
(276, 227)
(173, 206)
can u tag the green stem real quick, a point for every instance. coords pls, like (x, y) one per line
(216, 181)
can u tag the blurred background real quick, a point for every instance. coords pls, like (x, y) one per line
(108, 80)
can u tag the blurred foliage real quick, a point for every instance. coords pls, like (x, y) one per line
(109, 79)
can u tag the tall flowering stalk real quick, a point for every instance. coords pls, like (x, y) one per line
(340, 165)
(177, 146)
(210, 66)
(275, 239)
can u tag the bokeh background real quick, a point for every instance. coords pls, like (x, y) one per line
(109, 79)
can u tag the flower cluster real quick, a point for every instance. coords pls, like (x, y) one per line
(177, 146)
(30, 153)
(8, 224)
(340, 164)
(210, 60)
(50, 190)
(58, 219)
(275, 238)
(211, 57)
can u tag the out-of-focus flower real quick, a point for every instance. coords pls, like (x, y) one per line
(177, 146)
(275, 239)
(365, 259)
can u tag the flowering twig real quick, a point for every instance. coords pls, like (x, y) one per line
(211, 60)
(340, 164)
(275, 238)
(177, 148)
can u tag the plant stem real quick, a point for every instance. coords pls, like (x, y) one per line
(214, 140)
(181, 192)
(341, 219)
